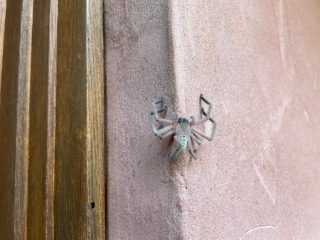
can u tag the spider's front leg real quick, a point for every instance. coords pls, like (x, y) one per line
(160, 131)
(203, 120)
(206, 115)
(202, 134)
(165, 132)
(156, 111)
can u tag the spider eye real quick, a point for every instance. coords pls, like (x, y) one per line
(183, 120)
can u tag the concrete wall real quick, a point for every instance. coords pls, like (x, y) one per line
(258, 62)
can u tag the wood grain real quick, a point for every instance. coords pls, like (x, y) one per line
(51, 120)
(22, 139)
(95, 121)
(70, 151)
(36, 222)
(8, 116)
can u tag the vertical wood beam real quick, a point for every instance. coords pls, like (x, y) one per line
(40, 66)
(22, 136)
(71, 123)
(8, 116)
(95, 120)
(51, 120)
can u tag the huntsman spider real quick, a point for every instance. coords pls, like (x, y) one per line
(183, 129)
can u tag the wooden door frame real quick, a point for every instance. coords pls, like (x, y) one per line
(52, 119)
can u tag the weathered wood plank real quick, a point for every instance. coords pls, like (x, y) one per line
(95, 121)
(22, 134)
(70, 153)
(51, 120)
(8, 116)
(36, 222)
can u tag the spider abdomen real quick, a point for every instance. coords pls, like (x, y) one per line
(183, 141)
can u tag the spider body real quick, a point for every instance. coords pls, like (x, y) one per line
(182, 129)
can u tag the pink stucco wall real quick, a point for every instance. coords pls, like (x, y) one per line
(258, 62)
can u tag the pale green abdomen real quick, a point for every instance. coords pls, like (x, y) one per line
(183, 141)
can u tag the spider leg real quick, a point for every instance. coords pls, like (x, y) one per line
(167, 134)
(154, 106)
(165, 121)
(158, 130)
(207, 115)
(214, 126)
(191, 150)
(154, 129)
(161, 129)
(165, 130)
(156, 111)
(202, 134)
(196, 138)
(176, 150)
(172, 154)
(203, 120)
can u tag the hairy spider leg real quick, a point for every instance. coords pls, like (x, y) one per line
(167, 134)
(202, 134)
(192, 152)
(207, 116)
(161, 129)
(214, 125)
(203, 120)
(154, 106)
(195, 138)
(156, 111)
(177, 149)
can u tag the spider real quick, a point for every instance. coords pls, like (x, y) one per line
(183, 129)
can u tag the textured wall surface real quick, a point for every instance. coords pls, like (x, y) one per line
(259, 64)
(141, 194)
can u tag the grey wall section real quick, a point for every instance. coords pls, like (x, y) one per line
(259, 64)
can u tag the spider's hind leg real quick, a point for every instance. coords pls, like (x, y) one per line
(173, 153)
(177, 149)
(192, 151)
(196, 138)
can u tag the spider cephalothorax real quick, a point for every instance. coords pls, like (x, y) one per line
(183, 129)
